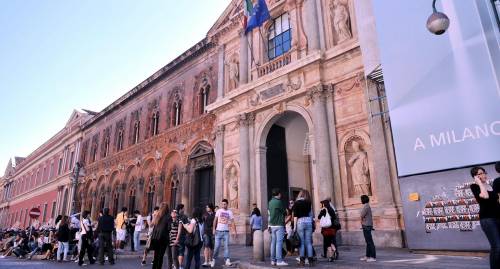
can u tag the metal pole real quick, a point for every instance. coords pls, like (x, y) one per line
(74, 183)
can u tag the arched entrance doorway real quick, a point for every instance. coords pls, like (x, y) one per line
(287, 158)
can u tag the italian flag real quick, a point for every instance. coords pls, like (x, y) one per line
(247, 11)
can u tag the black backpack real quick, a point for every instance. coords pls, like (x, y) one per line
(193, 239)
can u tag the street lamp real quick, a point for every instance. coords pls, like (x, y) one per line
(438, 22)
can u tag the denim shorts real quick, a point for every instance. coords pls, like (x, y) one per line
(208, 241)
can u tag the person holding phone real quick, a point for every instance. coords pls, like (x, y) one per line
(489, 212)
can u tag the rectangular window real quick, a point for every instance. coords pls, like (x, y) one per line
(44, 213)
(59, 167)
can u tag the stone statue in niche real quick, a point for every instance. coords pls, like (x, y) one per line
(360, 174)
(341, 21)
(232, 186)
(234, 73)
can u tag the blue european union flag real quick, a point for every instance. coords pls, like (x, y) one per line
(259, 15)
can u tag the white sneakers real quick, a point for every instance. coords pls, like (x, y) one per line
(228, 262)
(273, 263)
(282, 263)
(212, 263)
(367, 259)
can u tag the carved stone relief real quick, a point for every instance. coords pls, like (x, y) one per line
(233, 76)
(341, 20)
(358, 170)
(232, 184)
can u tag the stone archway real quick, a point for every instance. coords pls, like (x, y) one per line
(285, 154)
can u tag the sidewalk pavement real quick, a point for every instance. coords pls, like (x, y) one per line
(386, 258)
(349, 256)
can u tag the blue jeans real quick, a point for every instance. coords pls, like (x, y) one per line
(277, 235)
(137, 240)
(305, 230)
(221, 235)
(491, 228)
(62, 248)
(370, 246)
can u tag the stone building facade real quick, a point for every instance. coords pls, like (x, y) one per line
(42, 179)
(155, 143)
(300, 116)
(289, 106)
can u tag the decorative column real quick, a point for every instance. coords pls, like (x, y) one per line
(219, 163)
(184, 181)
(93, 209)
(324, 181)
(243, 58)
(160, 189)
(107, 197)
(311, 25)
(337, 196)
(220, 74)
(139, 194)
(244, 120)
(261, 188)
(121, 199)
(382, 170)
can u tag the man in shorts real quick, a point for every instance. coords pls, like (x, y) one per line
(120, 227)
(208, 236)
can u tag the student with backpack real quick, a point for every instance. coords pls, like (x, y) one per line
(194, 238)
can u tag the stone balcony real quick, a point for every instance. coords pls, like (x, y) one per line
(274, 64)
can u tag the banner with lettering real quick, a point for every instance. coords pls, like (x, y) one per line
(443, 90)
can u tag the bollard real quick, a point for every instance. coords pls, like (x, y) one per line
(258, 246)
(267, 243)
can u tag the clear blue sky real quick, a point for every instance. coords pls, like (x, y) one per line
(59, 55)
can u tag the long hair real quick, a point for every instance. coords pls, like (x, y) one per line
(304, 195)
(64, 221)
(256, 212)
(197, 214)
(164, 208)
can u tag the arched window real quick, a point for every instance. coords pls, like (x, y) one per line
(279, 38)
(176, 117)
(155, 122)
(137, 126)
(106, 147)
(204, 93)
(93, 152)
(119, 143)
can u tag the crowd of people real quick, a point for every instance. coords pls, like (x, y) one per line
(292, 229)
(187, 240)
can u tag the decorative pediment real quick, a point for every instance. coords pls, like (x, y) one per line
(199, 150)
(231, 11)
(75, 117)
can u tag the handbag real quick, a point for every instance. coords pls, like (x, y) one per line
(336, 223)
(325, 221)
(294, 240)
(328, 232)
